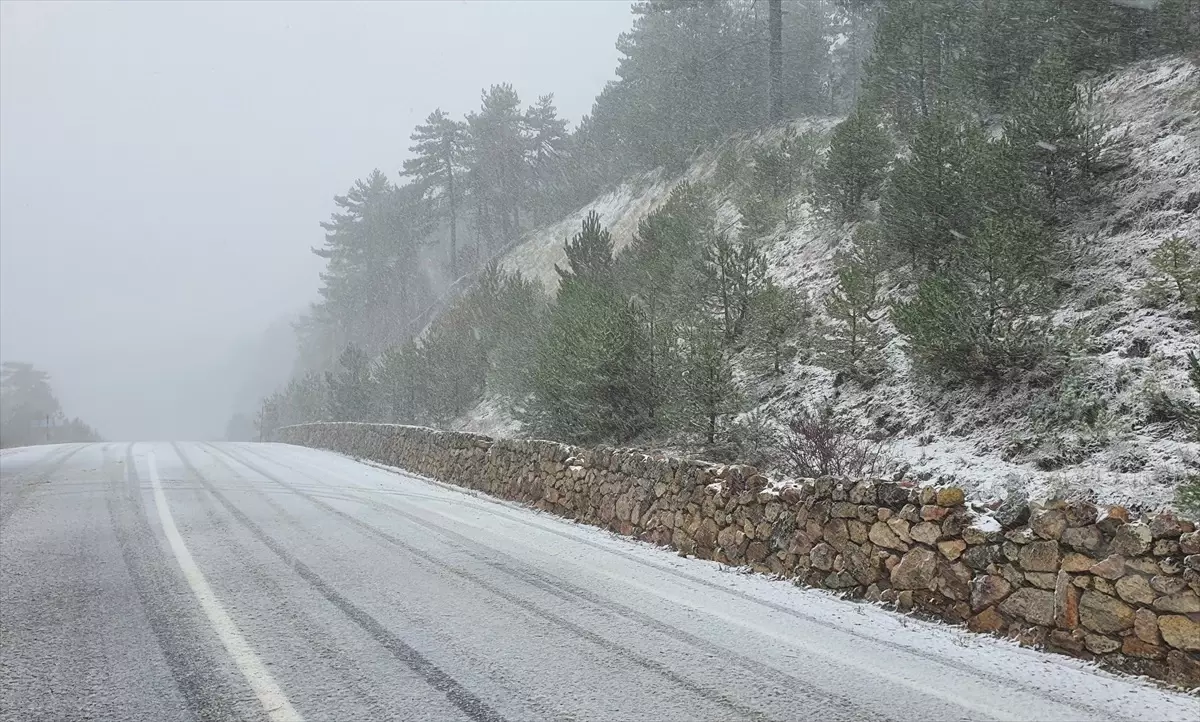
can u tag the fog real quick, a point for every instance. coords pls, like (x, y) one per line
(164, 167)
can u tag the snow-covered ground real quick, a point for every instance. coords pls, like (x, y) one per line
(1021, 436)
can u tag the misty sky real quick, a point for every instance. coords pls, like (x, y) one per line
(164, 167)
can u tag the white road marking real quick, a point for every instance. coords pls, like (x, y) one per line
(252, 668)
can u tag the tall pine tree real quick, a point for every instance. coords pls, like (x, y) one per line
(546, 134)
(437, 168)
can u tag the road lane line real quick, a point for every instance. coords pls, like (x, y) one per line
(273, 701)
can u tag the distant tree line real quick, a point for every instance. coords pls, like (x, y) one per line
(30, 413)
(971, 136)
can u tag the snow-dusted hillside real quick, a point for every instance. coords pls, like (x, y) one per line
(1086, 434)
(622, 208)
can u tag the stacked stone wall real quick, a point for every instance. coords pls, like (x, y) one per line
(1092, 582)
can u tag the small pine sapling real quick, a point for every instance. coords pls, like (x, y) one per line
(1176, 277)
(851, 338)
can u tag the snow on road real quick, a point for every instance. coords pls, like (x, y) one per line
(372, 594)
(810, 633)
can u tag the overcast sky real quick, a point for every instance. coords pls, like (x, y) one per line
(164, 166)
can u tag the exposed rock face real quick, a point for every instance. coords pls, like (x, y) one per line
(1086, 539)
(950, 496)
(1075, 562)
(1082, 582)
(1111, 568)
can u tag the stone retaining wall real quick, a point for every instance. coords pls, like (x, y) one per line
(1086, 581)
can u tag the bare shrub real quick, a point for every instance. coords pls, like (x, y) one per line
(821, 444)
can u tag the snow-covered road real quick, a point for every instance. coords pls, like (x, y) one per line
(155, 581)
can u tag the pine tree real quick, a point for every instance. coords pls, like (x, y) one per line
(506, 313)
(399, 383)
(547, 135)
(267, 420)
(370, 283)
(352, 388)
(987, 251)
(516, 325)
(1176, 266)
(914, 66)
(455, 363)
(654, 263)
(27, 404)
(709, 392)
(1175, 27)
(760, 214)
(852, 340)
(859, 153)
(30, 413)
(952, 178)
(655, 270)
(732, 272)
(437, 168)
(984, 314)
(589, 381)
(1044, 127)
(777, 315)
(589, 252)
(304, 400)
(1005, 39)
(772, 175)
(497, 162)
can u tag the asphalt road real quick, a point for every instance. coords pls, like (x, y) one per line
(154, 581)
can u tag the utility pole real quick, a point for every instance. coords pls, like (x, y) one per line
(775, 79)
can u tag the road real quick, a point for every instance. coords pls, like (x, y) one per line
(158, 581)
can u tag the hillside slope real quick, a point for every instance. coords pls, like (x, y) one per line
(1092, 432)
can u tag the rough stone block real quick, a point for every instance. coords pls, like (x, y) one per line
(1102, 613)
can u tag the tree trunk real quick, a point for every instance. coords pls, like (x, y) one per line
(453, 216)
(775, 85)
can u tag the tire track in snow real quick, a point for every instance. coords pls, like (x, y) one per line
(459, 696)
(268, 496)
(623, 652)
(952, 667)
(832, 705)
(31, 480)
(302, 623)
(207, 694)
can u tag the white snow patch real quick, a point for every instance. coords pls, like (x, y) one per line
(489, 417)
(986, 524)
